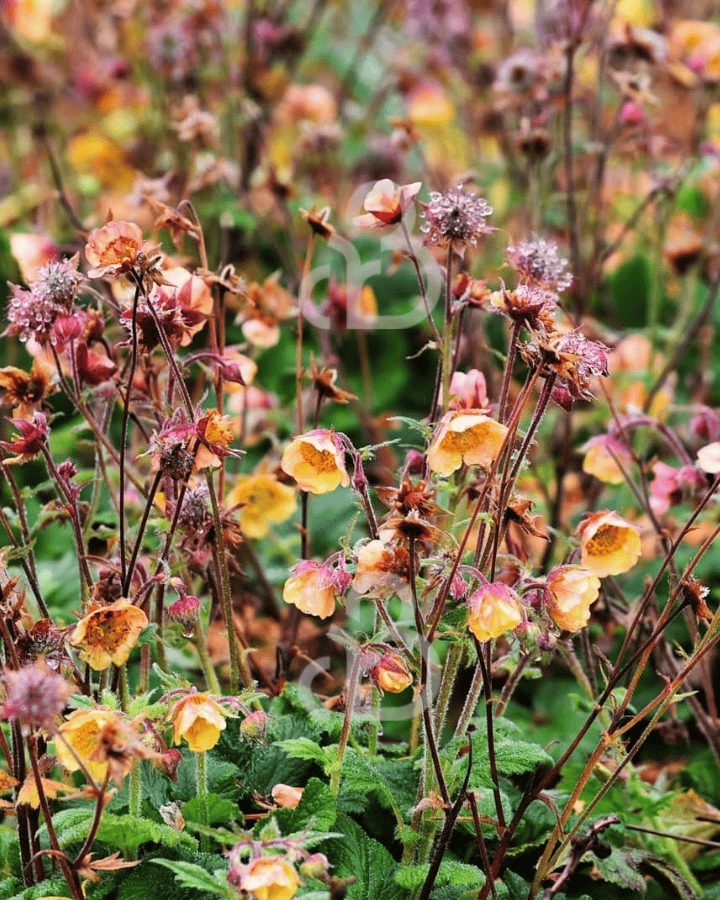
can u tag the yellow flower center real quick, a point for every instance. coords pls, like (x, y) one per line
(607, 539)
(321, 460)
(107, 629)
(121, 251)
(460, 441)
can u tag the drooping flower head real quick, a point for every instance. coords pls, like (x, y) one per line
(391, 674)
(199, 719)
(383, 569)
(468, 390)
(604, 455)
(313, 588)
(265, 877)
(494, 610)
(263, 500)
(465, 436)
(455, 217)
(316, 460)
(107, 634)
(81, 731)
(609, 544)
(570, 592)
(25, 391)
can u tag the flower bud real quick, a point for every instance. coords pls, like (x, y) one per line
(391, 674)
(254, 726)
(287, 796)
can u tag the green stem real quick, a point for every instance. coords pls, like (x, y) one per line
(202, 795)
(452, 665)
(211, 678)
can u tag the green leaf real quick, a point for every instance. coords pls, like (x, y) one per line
(512, 755)
(303, 748)
(412, 877)
(667, 876)
(219, 810)
(317, 810)
(620, 868)
(124, 832)
(192, 876)
(53, 887)
(517, 887)
(362, 777)
(358, 856)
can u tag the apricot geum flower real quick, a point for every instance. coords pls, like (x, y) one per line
(386, 204)
(116, 249)
(570, 592)
(107, 634)
(382, 569)
(265, 877)
(494, 610)
(263, 500)
(313, 588)
(316, 460)
(78, 738)
(199, 719)
(609, 544)
(604, 456)
(465, 436)
(391, 674)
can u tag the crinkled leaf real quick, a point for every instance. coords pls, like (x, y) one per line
(317, 809)
(358, 856)
(412, 877)
(620, 868)
(303, 748)
(193, 876)
(56, 887)
(667, 876)
(219, 810)
(123, 832)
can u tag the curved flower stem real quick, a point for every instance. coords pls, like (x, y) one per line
(225, 592)
(450, 669)
(425, 684)
(209, 670)
(470, 702)
(509, 365)
(124, 427)
(74, 515)
(134, 800)
(421, 285)
(141, 531)
(68, 870)
(97, 431)
(92, 834)
(447, 336)
(299, 345)
(202, 795)
(350, 691)
(485, 660)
